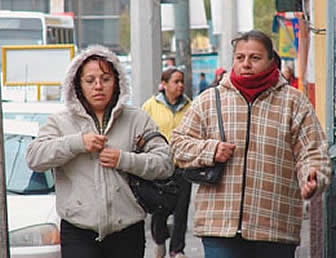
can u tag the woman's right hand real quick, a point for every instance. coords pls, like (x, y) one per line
(224, 151)
(94, 142)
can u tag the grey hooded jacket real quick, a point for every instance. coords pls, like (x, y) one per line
(89, 195)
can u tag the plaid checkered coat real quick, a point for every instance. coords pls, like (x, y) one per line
(278, 139)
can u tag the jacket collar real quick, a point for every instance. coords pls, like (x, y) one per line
(181, 102)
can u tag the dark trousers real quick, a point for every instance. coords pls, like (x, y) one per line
(81, 243)
(159, 227)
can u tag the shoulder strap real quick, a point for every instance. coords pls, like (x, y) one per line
(219, 113)
(141, 140)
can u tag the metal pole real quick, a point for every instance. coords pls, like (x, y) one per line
(183, 50)
(145, 49)
(330, 89)
(79, 24)
(229, 31)
(329, 212)
(4, 242)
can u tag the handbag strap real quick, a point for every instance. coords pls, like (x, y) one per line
(219, 114)
(141, 140)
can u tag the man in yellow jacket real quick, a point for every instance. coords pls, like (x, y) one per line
(167, 110)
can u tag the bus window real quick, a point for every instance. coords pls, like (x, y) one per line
(71, 36)
(25, 31)
(66, 36)
(62, 32)
(51, 37)
(57, 35)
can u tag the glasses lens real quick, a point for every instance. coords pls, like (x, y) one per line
(104, 80)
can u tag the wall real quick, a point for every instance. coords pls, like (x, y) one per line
(320, 60)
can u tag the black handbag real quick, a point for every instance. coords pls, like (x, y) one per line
(159, 195)
(208, 175)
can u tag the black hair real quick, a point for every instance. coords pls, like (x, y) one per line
(167, 74)
(258, 36)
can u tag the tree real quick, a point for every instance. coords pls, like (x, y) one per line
(264, 12)
(125, 29)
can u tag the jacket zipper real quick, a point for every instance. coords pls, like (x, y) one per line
(239, 230)
(100, 230)
(249, 104)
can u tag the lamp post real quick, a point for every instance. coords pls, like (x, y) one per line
(4, 242)
(183, 50)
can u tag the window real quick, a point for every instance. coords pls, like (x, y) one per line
(288, 5)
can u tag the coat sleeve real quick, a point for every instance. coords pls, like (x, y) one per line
(190, 144)
(156, 162)
(309, 145)
(52, 149)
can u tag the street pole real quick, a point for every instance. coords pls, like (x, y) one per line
(145, 49)
(79, 23)
(183, 50)
(329, 220)
(229, 31)
(4, 242)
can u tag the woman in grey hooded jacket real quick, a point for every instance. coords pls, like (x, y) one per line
(90, 146)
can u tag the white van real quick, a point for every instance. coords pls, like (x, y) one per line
(32, 219)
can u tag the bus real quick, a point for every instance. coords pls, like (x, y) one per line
(35, 28)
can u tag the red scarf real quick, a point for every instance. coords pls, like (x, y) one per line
(250, 86)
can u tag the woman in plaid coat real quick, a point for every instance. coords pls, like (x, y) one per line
(275, 156)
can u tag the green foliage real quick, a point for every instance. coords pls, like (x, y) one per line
(207, 7)
(125, 29)
(264, 11)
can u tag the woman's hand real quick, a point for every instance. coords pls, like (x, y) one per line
(309, 188)
(94, 142)
(224, 151)
(109, 157)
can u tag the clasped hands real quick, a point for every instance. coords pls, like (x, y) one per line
(108, 157)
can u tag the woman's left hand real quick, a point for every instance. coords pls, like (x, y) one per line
(309, 188)
(109, 157)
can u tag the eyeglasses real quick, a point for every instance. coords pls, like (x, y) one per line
(104, 80)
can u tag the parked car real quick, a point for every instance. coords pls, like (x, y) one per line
(30, 111)
(32, 219)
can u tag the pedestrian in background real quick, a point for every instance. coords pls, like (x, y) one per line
(167, 109)
(203, 84)
(289, 74)
(219, 73)
(275, 156)
(90, 146)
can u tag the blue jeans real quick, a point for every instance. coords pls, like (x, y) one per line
(237, 247)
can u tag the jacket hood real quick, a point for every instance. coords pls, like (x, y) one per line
(70, 98)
